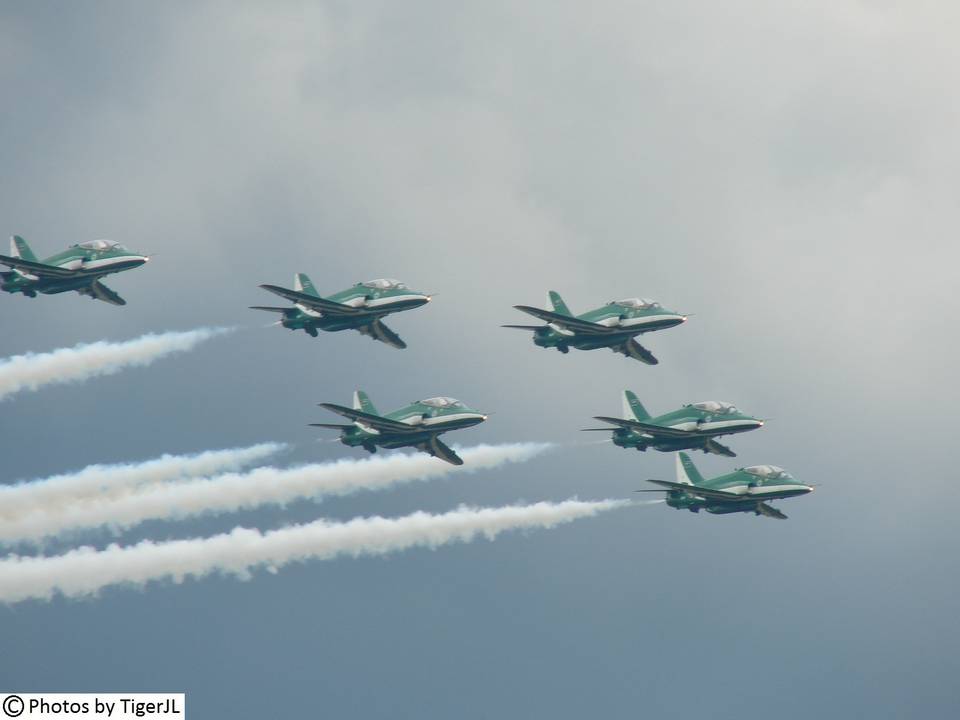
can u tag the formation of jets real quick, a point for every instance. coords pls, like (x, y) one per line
(363, 306)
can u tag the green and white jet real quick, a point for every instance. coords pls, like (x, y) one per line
(79, 268)
(614, 326)
(746, 489)
(361, 307)
(693, 426)
(417, 425)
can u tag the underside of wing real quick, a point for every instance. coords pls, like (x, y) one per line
(567, 321)
(375, 421)
(438, 448)
(332, 426)
(36, 268)
(770, 511)
(328, 307)
(712, 446)
(632, 349)
(99, 291)
(283, 310)
(378, 331)
(655, 430)
(698, 490)
(524, 327)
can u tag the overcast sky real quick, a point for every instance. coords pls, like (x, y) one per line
(786, 172)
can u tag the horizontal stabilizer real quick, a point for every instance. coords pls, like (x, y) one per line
(569, 322)
(270, 309)
(319, 304)
(377, 422)
(708, 493)
(655, 430)
(37, 268)
(524, 327)
(332, 426)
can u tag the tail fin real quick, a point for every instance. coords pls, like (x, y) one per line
(20, 249)
(558, 304)
(687, 472)
(302, 283)
(362, 402)
(632, 408)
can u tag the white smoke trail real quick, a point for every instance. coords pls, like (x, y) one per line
(235, 491)
(112, 481)
(33, 370)
(86, 570)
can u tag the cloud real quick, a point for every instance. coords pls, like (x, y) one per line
(232, 492)
(113, 481)
(85, 571)
(34, 370)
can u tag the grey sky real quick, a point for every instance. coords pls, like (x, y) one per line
(785, 172)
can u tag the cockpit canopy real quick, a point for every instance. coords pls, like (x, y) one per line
(769, 472)
(384, 284)
(716, 407)
(442, 402)
(102, 245)
(637, 303)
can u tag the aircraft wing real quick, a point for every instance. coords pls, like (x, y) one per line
(36, 268)
(568, 321)
(436, 447)
(697, 490)
(712, 446)
(770, 511)
(375, 421)
(332, 426)
(661, 430)
(378, 331)
(328, 307)
(632, 349)
(98, 291)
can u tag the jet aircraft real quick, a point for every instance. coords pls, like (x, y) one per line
(613, 326)
(79, 268)
(417, 425)
(361, 307)
(744, 490)
(693, 426)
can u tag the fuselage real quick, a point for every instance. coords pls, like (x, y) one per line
(630, 317)
(378, 298)
(426, 418)
(704, 420)
(753, 485)
(87, 261)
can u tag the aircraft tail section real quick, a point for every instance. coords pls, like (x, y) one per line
(20, 249)
(632, 407)
(559, 306)
(362, 402)
(302, 283)
(687, 473)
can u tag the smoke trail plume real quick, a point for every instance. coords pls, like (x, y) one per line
(85, 571)
(236, 491)
(33, 370)
(112, 481)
